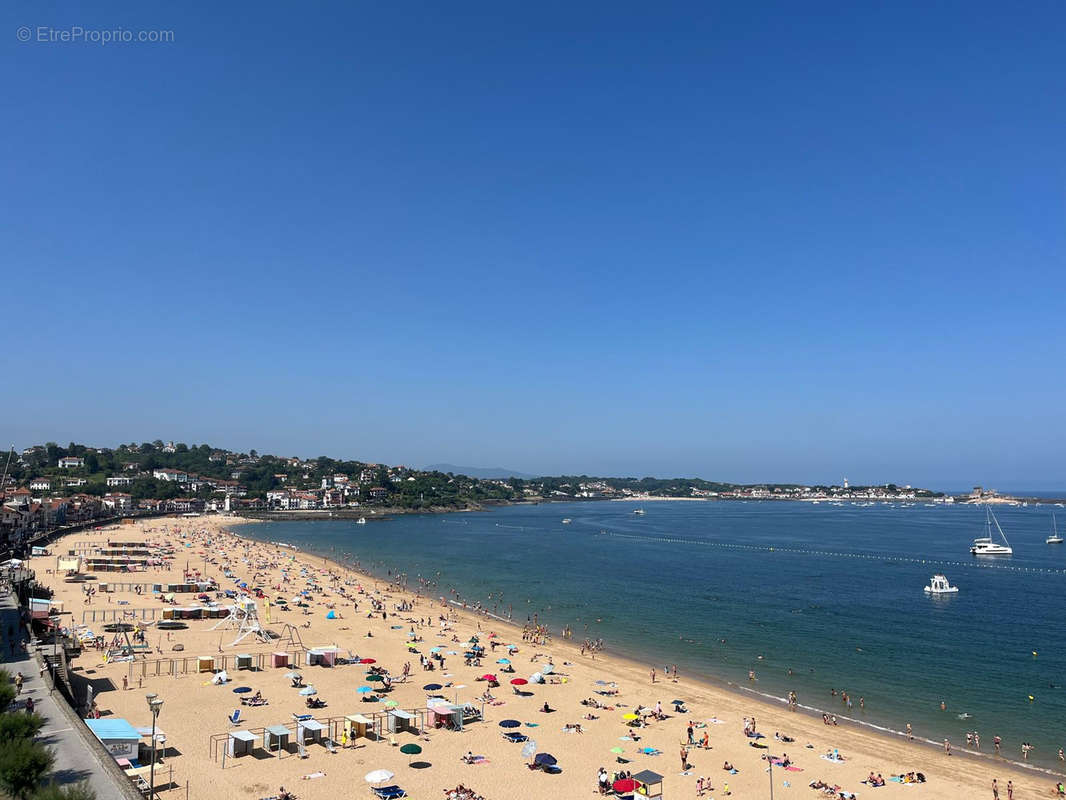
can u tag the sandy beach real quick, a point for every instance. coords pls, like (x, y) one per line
(195, 708)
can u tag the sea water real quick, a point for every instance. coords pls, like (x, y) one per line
(831, 592)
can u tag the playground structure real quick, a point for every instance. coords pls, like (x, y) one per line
(122, 648)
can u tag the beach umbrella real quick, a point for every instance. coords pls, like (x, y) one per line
(379, 776)
(510, 723)
(242, 690)
(519, 681)
(630, 716)
(625, 786)
(503, 661)
(364, 689)
(545, 760)
(368, 661)
(331, 614)
(307, 691)
(432, 687)
(488, 677)
(391, 704)
(436, 649)
(410, 750)
(536, 677)
(547, 669)
(375, 678)
(529, 748)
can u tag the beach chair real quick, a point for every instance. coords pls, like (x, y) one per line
(301, 717)
(388, 792)
(235, 717)
(515, 737)
(329, 745)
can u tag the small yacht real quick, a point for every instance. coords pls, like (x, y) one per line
(567, 521)
(638, 510)
(938, 584)
(985, 546)
(361, 521)
(1055, 537)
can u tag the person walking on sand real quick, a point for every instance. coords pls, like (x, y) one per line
(1010, 790)
(910, 734)
(653, 674)
(684, 758)
(947, 747)
(995, 789)
(18, 682)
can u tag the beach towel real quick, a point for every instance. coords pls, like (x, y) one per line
(649, 751)
(313, 775)
(832, 760)
(481, 760)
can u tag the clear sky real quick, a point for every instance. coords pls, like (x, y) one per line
(743, 241)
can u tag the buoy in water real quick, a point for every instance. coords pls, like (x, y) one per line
(1031, 698)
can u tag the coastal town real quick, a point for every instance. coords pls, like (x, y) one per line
(47, 487)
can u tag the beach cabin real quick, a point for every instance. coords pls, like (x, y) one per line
(322, 657)
(241, 743)
(445, 715)
(309, 730)
(244, 661)
(120, 738)
(205, 663)
(399, 720)
(276, 737)
(279, 660)
(356, 726)
(651, 783)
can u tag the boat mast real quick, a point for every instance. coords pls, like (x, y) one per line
(997, 527)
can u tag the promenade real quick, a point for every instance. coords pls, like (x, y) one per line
(75, 759)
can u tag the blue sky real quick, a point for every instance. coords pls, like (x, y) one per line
(742, 241)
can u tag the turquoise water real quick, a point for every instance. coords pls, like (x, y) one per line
(838, 599)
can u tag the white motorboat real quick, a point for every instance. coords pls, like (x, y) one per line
(986, 545)
(938, 584)
(567, 521)
(361, 521)
(1055, 537)
(638, 510)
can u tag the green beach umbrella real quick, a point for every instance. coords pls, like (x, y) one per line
(375, 678)
(617, 750)
(391, 704)
(410, 750)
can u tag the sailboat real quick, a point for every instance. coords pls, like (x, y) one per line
(1055, 537)
(984, 546)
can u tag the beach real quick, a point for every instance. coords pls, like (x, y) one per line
(195, 708)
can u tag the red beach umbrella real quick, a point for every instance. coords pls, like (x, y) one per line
(625, 786)
(519, 681)
(488, 678)
(368, 661)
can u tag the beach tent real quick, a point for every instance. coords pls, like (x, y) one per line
(309, 729)
(651, 783)
(356, 725)
(400, 720)
(119, 737)
(444, 713)
(276, 737)
(241, 743)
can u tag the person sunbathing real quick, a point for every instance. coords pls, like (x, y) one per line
(728, 767)
(573, 726)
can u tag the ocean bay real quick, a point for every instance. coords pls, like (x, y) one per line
(833, 593)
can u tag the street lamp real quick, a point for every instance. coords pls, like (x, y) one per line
(155, 703)
(770, 769)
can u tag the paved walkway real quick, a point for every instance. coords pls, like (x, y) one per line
(75, 761)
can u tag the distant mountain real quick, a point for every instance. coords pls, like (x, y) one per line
(478, 472)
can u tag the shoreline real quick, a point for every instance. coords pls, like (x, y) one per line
(710, 683)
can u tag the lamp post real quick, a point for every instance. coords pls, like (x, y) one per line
(155, 703)
(770, 769)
